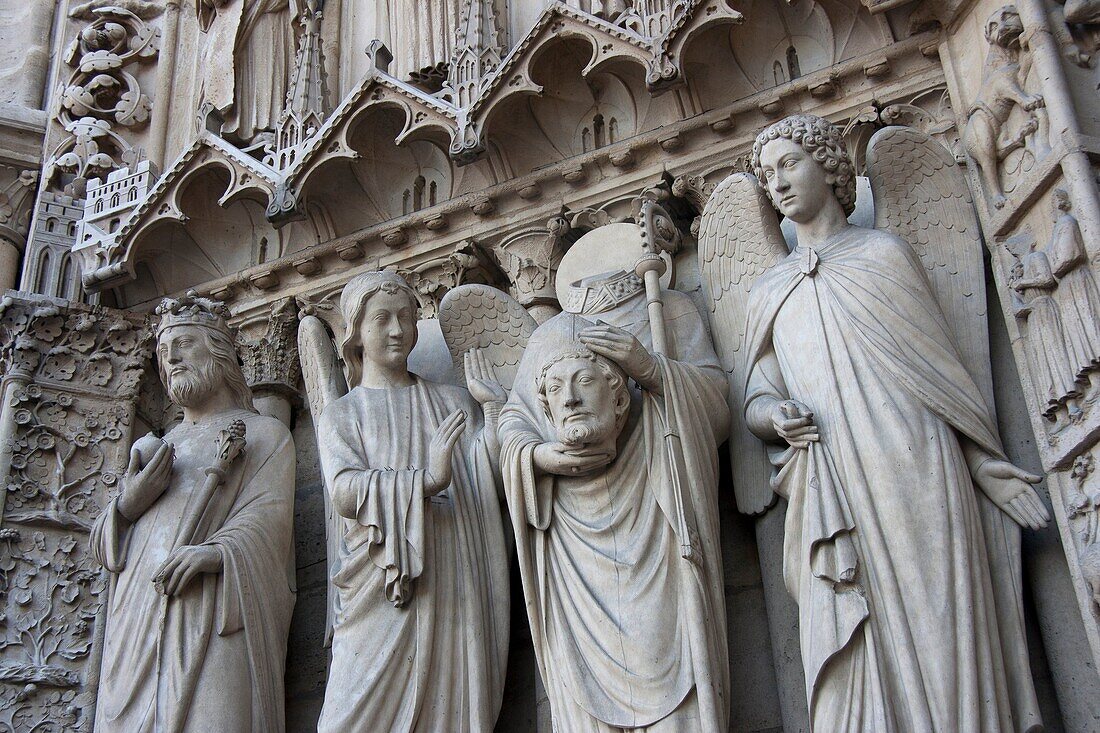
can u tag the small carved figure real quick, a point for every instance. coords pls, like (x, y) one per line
(1052, 373)
(249, 52)
(985, 138)
(199, 543)
(418, 560)
(1074, 25)
(612, 490)
(862, 358)
(1077, 292)
(1090, 569)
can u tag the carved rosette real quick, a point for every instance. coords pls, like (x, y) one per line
(71, 375)
(270, 363)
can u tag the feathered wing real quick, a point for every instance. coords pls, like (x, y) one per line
(325, 383)
(921, 196)
(739, 239)
(483, 317)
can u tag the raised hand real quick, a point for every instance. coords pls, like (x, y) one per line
(141, 486)
(625, 350)
(794, 423)
(439, 452)
(183, 565)
(562, 460)
(1009, 487)
(481, 378)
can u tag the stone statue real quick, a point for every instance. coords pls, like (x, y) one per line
(1052, 374)
(199, 543)
(419, 565)
(248, 54)
(858, 359)
(1077, 292)
(985, 138)
(420, 33)
(612, 489)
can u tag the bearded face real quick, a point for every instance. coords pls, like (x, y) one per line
(189, 369)
(586, 402)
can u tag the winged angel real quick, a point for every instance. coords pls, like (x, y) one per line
(861, 359)
(418, 567)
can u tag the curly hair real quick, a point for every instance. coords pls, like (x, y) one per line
(610, 370)
(824, 142)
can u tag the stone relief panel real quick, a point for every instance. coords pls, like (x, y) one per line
(1056, 303)
(72, 375)
(1083, 511)
(100, 110)
(101, 99)
(1025, 137)
(1006, 128)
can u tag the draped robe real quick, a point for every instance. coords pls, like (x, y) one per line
(248, 56)
(420, 639)
(907, 578)
(627, 633)
(1078, 295)
(211, 658)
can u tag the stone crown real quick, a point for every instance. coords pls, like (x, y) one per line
(193, 310)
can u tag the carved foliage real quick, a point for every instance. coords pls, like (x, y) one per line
(271, 362)
(72, 375)
(59, 451)
(469, 263)
(72, 347)
(53, 593)
(101, 95)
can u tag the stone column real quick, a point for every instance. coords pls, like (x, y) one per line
(71, 381)
(11, 253)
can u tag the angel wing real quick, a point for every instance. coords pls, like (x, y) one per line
(921, 196)
(739, 239)
(325, 383)
(482, 317)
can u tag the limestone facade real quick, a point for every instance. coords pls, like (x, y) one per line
(474, 143)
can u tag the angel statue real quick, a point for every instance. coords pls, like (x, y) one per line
(861, 359)
(609, 456)
(418, 562)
